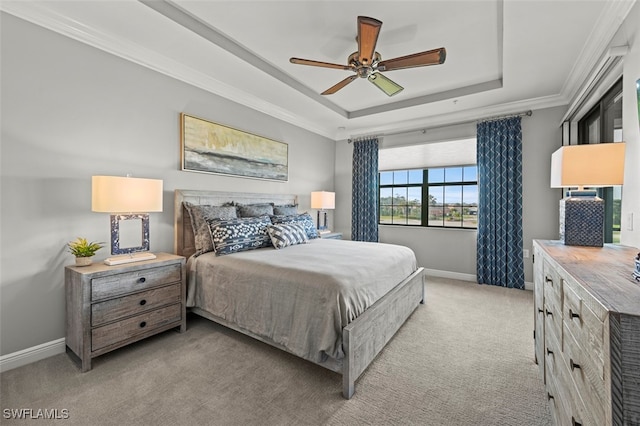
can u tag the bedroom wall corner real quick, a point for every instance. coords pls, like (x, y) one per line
(70, 111)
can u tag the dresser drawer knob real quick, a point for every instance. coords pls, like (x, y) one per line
(573, 365)
(574, 422)
(141, 280)
(143, 302)
(143, 324)
(573, 314)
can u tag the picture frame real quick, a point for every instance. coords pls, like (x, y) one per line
(208, 147)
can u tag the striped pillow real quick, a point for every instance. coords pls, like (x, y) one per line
(287, 235)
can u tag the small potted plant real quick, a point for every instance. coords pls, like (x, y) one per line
(84, 250)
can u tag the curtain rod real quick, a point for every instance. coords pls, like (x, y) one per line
(527, 113)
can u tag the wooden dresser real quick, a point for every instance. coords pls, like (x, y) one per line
(112, 306)
(587, 332)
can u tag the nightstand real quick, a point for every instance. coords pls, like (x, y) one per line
(109, 307)
(331, 235)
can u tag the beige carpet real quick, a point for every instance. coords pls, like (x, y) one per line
(463, 358)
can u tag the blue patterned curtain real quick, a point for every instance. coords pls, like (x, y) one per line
(499, 258)
(364, 210)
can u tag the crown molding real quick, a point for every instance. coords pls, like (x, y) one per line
(39, 14)
(461, 117)
(596, 46)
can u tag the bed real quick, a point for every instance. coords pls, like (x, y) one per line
(339, 317)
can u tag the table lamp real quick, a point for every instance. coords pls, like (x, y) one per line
(323, 200)
(127, 198)
(585, 166)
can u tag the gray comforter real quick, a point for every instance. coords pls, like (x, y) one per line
(301, 296)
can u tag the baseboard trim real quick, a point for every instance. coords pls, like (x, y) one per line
(32, 354)
(449, 274)
(463, 277)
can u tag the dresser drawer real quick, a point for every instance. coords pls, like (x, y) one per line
(120, 331)
(553, 320)
(586, 328)
(117, 284)
(552, 284)
(133, 304)
(585, 376)
(585, 408)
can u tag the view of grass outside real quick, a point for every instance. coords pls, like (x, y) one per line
(452, 197)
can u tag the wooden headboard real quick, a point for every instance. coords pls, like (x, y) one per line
(183, 232)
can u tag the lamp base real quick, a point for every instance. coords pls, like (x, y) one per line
(129, 258)
(582, 221)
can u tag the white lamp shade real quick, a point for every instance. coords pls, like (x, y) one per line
(590, 165)
(323, 200)
(116, 194)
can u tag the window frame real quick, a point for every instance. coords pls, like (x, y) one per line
(425, 190)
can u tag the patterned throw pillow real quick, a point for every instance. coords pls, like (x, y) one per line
(288, 210)
(303, 219)
(255, 210)
(240, 234)
(200, 214)
(287, 235)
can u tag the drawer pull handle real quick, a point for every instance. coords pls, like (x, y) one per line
(573, 365)
(573, 314)
(141, 280)
(143, 324)
(549, 351)
(540, 310)
(548, 280)
(548, 312)
(574, 422)
(143, 302)
(549, 396)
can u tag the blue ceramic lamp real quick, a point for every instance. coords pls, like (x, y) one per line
(585, 166)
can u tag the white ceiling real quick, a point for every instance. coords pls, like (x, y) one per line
(503, 56)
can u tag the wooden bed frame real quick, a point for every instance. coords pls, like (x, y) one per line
(362, 339)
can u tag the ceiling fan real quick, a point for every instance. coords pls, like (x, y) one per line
(367, 63)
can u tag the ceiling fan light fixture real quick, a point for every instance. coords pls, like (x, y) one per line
(388, 86)
(367, 63)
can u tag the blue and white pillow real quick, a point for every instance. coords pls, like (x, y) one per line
(240, 234)
(287, 235)
(303, 219)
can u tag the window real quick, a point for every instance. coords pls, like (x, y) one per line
(450, 197)
(603, 123)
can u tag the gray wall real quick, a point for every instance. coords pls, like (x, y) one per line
(70, 111)
(630, 226)
(454, 250)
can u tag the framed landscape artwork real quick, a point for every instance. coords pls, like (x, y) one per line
(209, 147)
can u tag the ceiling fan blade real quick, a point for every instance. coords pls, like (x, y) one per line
(319, 64)
(388, 86)
(335, 88)
(430, 57)
(368, 30)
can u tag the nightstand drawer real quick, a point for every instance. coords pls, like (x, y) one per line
(114, 333)
(117, 284)
(114, 309)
